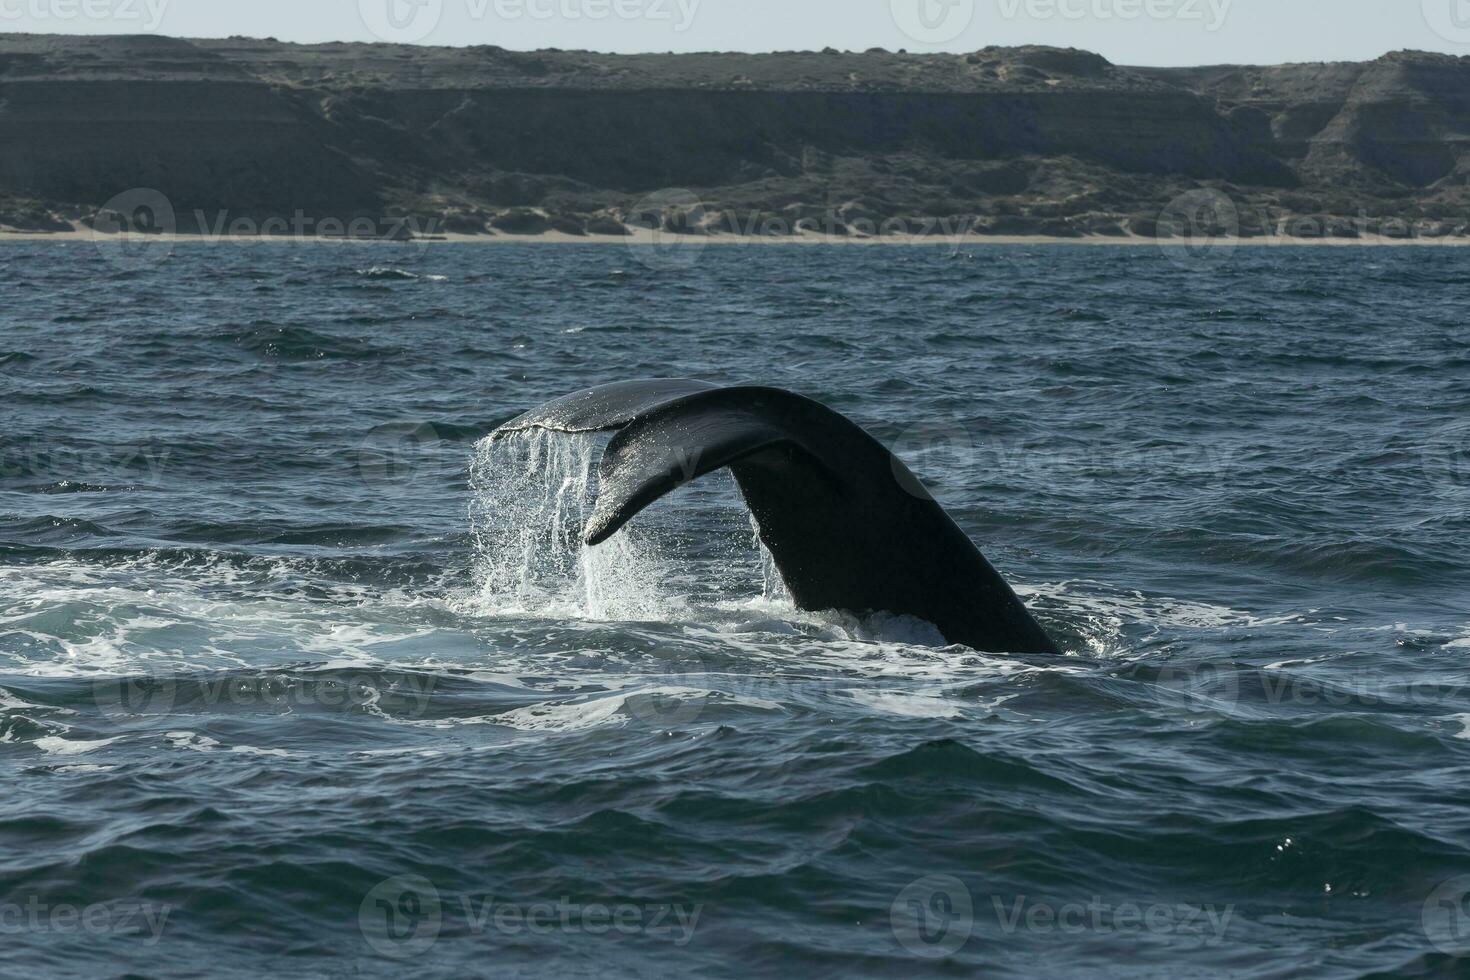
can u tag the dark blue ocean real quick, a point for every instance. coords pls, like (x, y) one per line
(299, 677)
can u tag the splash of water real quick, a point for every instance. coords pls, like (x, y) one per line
(533, 494)
(773, 587)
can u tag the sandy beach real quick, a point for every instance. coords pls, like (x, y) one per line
(643, 237)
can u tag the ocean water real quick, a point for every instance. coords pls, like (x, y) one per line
(298, 675)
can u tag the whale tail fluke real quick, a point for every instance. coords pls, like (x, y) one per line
(847, 524)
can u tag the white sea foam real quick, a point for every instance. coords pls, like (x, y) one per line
(150, 616)
(82, 768)
(908, 705)
(192, 741)
(56, 745)
(564, 717)
(254, 750)
(1105, 614)
(392, 272)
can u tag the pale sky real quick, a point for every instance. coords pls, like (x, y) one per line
(1137, 32)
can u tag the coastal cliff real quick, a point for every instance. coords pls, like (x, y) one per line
(484, 141)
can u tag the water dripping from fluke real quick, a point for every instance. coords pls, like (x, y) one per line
(533, 493)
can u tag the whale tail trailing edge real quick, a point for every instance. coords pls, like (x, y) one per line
(847, 524)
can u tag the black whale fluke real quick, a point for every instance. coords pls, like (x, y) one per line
(848, 525)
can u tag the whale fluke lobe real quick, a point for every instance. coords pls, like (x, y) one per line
(847, 524)
(603, 409)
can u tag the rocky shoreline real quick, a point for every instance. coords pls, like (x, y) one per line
(243, 138)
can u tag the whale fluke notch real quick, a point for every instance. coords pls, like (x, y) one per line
(847, 524)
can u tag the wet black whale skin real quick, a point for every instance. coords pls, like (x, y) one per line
(848, 525)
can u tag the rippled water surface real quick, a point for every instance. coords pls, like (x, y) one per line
(298, 676)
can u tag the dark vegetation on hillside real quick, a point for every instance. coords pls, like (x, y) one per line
(484, 140)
